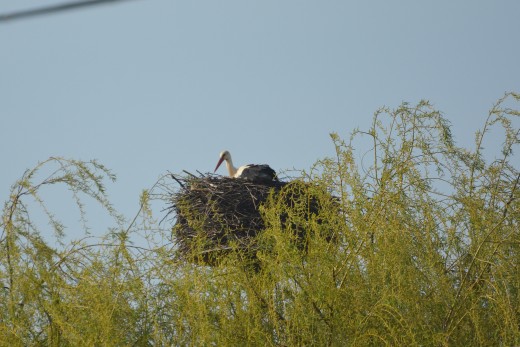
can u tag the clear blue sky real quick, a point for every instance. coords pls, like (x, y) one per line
(147, 86)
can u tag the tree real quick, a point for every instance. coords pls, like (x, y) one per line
(426, 251)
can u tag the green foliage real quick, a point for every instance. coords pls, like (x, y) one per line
(425, 251)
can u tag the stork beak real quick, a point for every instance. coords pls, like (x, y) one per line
(218, 164)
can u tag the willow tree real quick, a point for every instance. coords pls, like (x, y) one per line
(419, 246)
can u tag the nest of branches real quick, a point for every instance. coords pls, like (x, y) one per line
(215, 215)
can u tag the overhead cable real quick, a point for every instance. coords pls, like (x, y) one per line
(52, 9)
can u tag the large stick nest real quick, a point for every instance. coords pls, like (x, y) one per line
(215, 215)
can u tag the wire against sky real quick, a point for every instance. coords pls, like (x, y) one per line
(52, 9)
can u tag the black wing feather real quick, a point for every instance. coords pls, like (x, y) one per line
(259, 173)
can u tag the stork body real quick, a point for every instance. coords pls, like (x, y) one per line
(251, 172)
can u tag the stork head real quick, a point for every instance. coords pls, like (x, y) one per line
(224, 155)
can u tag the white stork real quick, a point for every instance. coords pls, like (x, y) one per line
(251, 172)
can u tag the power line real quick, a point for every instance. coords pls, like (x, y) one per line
(52, 9)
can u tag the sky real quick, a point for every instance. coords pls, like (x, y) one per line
(150, 86)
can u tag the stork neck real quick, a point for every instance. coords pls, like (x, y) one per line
(231, 169)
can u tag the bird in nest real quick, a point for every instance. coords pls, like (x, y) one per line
(251, 172)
